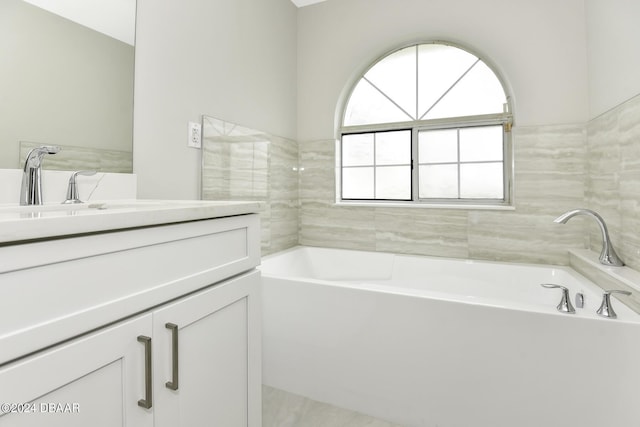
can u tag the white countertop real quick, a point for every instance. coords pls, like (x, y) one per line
(19, 223)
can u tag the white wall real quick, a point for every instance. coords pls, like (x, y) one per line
(613, 40)
(231, 59)
(538, 46)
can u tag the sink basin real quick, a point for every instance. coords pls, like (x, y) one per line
(51, 220)
(91, 208)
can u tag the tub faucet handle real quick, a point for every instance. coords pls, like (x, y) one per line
(606, 309)
(564, 305)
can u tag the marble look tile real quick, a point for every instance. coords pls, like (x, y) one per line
(521, 237)
(82, 158)
(613, 182)
(422, 232)
(317, 179)
(556, 168)
(549, 180)
(240, 163)
(549, 168)
(283, 409)
(323, 224)
(605, 280)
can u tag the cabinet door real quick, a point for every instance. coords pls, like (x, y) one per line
(95, 380)
(218, 353)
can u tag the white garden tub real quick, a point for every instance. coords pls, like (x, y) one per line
(432, 342)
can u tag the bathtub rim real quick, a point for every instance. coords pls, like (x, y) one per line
(629, 316)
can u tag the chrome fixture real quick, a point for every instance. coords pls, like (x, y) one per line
(564, 305)
(608, 255)
(72, 189)
(579, 300)
(31, 190)
(606, 309)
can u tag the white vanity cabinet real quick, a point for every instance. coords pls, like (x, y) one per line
(217, 340)
(94, 380)
(93, 324)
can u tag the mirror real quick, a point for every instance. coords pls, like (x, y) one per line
(66, 78)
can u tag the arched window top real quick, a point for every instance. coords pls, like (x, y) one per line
(424, 82)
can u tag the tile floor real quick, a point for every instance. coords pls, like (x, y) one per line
(283, 409)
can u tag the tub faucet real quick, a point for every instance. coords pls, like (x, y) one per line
(31, 190)
(606, 309)
(608, 255)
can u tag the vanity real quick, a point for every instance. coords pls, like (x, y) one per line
(130, 313)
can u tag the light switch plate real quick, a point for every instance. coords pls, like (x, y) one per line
(195, 135)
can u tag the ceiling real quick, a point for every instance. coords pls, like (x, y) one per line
(302, 3)
(115, 18)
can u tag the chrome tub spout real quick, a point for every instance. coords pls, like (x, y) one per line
(608, 255)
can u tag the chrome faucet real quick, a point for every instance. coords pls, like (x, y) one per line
(564, 305)
(606, 309)
(72, 189)
(608, 255)
(31, 190)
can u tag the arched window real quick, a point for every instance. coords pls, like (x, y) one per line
(429, 123)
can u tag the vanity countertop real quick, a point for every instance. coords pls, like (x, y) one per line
(21, 223)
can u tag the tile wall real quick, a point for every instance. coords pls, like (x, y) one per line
(613, 178)
(240, 163)
(557, 168)
(549, 179)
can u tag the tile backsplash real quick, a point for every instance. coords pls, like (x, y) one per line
(82, 158)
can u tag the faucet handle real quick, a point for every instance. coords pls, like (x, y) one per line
(72, 189)
(564, 305)
(606, 309)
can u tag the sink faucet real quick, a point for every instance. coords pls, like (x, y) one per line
(72, 190)
(608, 255)
(31, 190)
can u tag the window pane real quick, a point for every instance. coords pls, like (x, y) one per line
(393, 148)
(357, 150)
(439, 67)
(479, 92)
(481, 181)
(458, 160)
(357, 183)
(395, 76)
(393, 182)
(481, 143)
(367, 105)
(438, 181)
(438, 146)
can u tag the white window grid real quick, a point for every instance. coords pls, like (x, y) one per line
(504, 119)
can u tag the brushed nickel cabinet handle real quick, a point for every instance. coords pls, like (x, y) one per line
(173, 384)
(148, 392)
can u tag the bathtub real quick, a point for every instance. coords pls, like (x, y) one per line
(423, 341)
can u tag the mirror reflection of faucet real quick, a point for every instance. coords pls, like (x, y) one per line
(608, 255)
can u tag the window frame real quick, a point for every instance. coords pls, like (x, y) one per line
(504, 119)
(375, 166)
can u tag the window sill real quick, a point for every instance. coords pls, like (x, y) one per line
(427, 206)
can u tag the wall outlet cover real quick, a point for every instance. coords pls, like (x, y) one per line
(195, 135)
